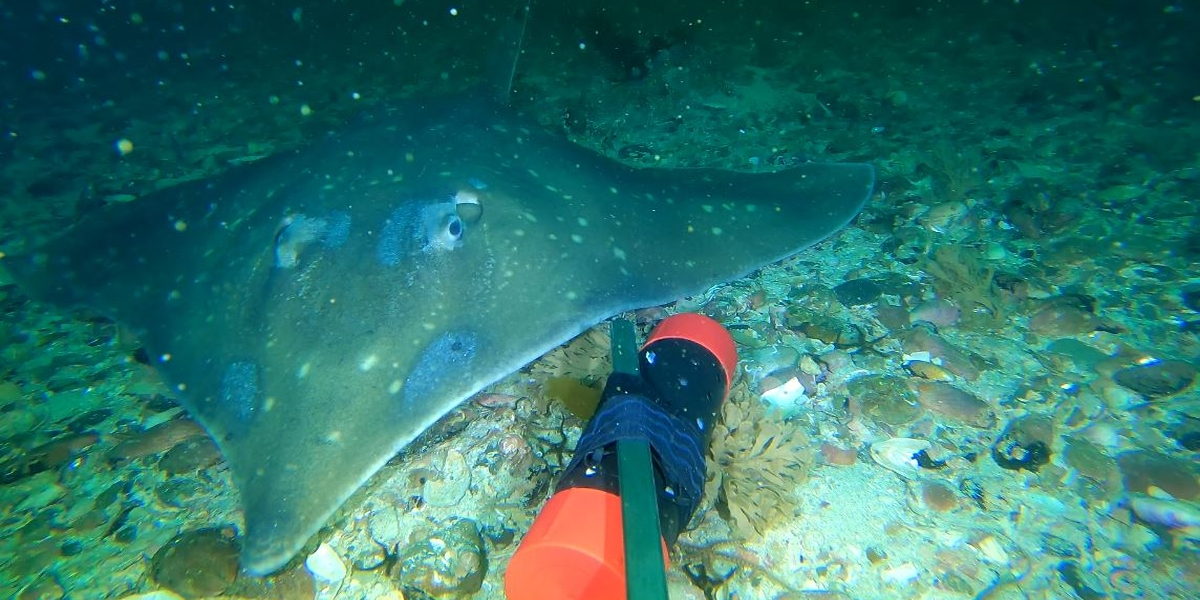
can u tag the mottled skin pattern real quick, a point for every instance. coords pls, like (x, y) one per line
(316, 311)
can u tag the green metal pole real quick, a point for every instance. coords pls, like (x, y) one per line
(645, 567)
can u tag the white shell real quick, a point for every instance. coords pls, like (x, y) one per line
(787, 397)
(993, 552)
(896, 455)
(901, 573)
(325, 564)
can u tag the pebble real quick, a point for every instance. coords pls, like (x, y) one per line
(954, 404)
(191, 455)
(1166, 512)
(198, 563)
(325, 564)
(788, 397)
(1157, 379)
(452, 482)
(954, 360)
(857, 292)
(944, 217)
(938, 496)
(904, 573)
(838, 455)
(939, 311)
(155, 440)
(1060, 321)
(928, 370)
(884, 398)
(450, 563)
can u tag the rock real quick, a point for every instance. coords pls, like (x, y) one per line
(1191, 298)
(155, 440)
(89, 420)
(938, 496)
(884, 398)
(1157, 379)
(1064, 316)
(47, 457)
(835, 454)
(198, 563)
(894, 318)
(939, 311)
(1143, 471)
(954, 404)
(325, 564)
(450, 563)
(1025, 444)
(191, 455)
(857, 291)
(920, 339)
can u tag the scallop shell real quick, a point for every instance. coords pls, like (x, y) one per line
(896, 455)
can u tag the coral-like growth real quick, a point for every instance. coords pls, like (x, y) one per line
(585, 358)
(958, 274)
(759, 460)
(957, 171)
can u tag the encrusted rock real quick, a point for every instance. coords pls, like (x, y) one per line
(198, 563)
(1025, 444)
(884, 398)
(1157, 379)
(450, 563)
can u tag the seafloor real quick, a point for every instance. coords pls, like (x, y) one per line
(997, 358)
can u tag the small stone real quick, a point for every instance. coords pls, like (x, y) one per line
(927, 370)
(858, 291)
(198, 563)
(1142, 471)
(920, 339)
(452, 562)
(904, 573)
(1025, 444)
(71, 548)
(1191, 298)
(894, 318)
(1157, 379)
(838, 455)
(954, 404)
(325, 564)
(1063, 316)
(938, 496)
(939, 311)
(884, 398)
(992, 551)
(195, 454)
